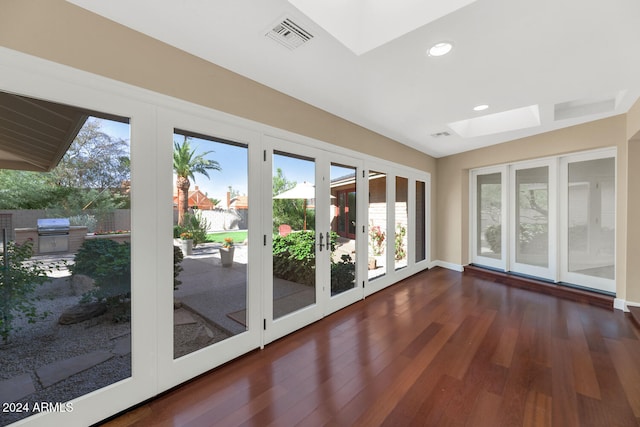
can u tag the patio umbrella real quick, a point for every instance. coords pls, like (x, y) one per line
(304, 191)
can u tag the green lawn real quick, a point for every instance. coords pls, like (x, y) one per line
(237, 236)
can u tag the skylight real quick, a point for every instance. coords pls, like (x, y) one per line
(363, 25)
(516, 119)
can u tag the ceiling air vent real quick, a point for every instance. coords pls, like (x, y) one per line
(289, 34)
(440, 134)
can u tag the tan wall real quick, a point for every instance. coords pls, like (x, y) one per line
(64, 33)
(633, 205)
(453, 182)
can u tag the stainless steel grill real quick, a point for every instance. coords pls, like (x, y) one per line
(53, 235)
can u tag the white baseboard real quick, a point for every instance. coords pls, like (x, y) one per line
(626, 304)
(620, 304)
(447, 265)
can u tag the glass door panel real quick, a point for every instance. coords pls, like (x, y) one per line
(402, 223)
(343, 186)
(377, 224)
(489, 220)
(532, 216)
(590, 233)
(533, 230)
(210, 237)
(294, 233)
(421, 222)
(65, 296)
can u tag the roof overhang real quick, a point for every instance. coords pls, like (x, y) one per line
(35, 134)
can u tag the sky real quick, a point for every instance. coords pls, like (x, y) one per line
(232, 159)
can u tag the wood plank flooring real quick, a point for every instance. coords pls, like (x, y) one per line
(439, 349)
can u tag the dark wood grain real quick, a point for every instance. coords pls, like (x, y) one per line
(438, 349)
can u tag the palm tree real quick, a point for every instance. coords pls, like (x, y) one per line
(186, 163)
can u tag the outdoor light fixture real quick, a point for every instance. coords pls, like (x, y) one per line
(440, 49)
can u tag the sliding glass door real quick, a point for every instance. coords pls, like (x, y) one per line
(489, 228)
(533, 216)
(556, 221)
(588, 206)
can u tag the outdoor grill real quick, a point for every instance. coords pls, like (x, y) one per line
(53, 235)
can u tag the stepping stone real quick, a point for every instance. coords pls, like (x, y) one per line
(81, 312)
(122, 347)
(63, 369)
(16, 388)
(183, 317)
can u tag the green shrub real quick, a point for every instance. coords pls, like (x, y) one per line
(85, 220)
(343, 275)
(177, 268)
(195, 224)
(109, 264)
(493, 235)
(294, 256)
(19, 277)
(400, 252)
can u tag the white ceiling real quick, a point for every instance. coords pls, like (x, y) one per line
(560, 63)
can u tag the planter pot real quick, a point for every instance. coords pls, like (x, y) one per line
(187, 247)
(226, 256)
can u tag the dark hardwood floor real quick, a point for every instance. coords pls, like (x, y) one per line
(442, 349)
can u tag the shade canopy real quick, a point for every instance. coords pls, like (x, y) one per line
(304, 190)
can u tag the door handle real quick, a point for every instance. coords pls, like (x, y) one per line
(328, 241)
(320, 245)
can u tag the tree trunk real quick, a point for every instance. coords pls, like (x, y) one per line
(183, 185)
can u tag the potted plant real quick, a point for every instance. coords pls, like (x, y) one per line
(186, 243)
(226, 252)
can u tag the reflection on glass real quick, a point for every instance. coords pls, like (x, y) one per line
(377, 224)
(294, 242)
(211, 210)
(489, 210)
(65, 259)
(532, 215)
(343, 226)
(592, 218)
(402, 222)
(421, 226)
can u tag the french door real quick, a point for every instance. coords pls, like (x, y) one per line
(309, 270)
(211, 312)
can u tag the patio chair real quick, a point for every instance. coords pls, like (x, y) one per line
(284, 229)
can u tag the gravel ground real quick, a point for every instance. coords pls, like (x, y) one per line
(34, 345)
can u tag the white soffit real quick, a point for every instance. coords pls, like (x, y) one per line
(363, 25)
(587, 106)
(516, 119)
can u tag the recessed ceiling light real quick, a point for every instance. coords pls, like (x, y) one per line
(480, 107)
(440, 49)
